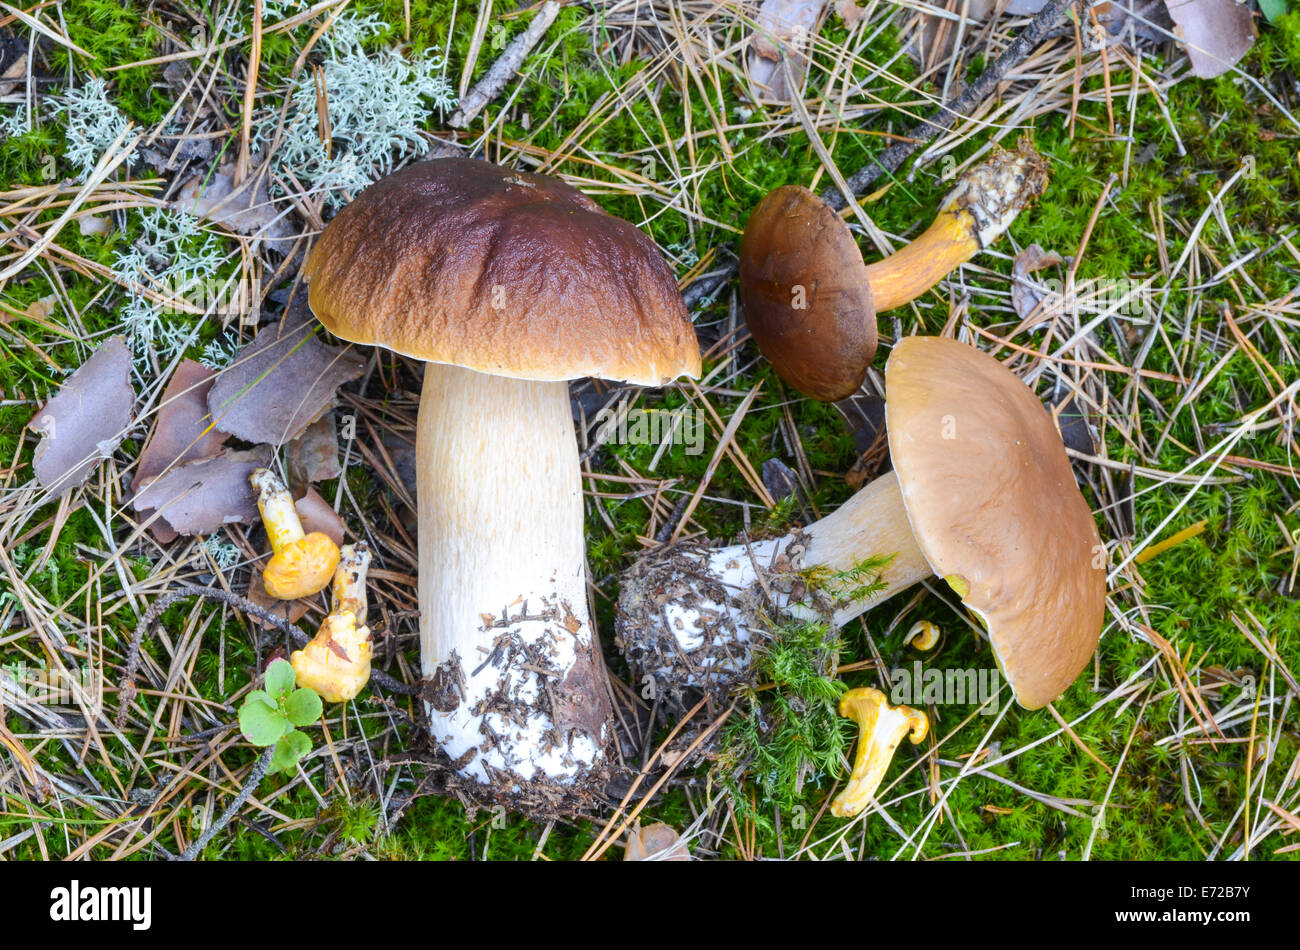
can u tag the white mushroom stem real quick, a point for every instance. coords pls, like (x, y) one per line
(517, 680)
(688, 619)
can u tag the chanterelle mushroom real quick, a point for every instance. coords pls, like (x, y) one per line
(881, 729)
(336, 663)
(811, 302)
(301, 564)
(981, 494)
(508, 284)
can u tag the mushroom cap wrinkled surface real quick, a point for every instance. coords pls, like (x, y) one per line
(996, 511)
(336, 663)
(459, 261)
(301, 568)
(806, 295)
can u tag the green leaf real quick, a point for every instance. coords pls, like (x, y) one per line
(292, 747)
(1273, 10)
(260, 719)
(279, 679)
(303, 707)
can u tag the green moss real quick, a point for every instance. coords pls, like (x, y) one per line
(786, 745)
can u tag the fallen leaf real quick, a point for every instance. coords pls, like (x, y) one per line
(281, 383)
(314, 455)
(182, 432)
(317, 514)
(849, 11)
(655, 842)
(1071, 421)
(42, 308)
(246, 209)
(1026, 294)
(86, 421)
(290, 610)
(784, 29)
(1216, 33)
(14, 70)
(199, 497)
(779, 479)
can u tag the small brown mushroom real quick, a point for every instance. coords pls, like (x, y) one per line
(811, 302)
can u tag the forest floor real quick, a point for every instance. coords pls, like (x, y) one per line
(1180, 742)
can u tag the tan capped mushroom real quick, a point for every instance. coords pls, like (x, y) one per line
(982, 495)
(508, 284)
(810, 301)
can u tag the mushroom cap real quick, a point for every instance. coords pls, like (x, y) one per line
(301, 568)
(806, 295)
(996, 511)
(336, 663)
(459, 261)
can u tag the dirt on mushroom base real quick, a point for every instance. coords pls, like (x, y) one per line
(733, 620)
(567, 718)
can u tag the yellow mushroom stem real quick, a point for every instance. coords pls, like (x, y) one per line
(283, 526)
(301, 564)
(336, 663)
(983, 203)
(349, 590)
(945, 245)
(882, 729)
(923, 635)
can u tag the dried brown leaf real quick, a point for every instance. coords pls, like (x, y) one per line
(1216, 33)
(290, 610)
(655, 842)
(784, 28)
(1026, 294)
(183, 431)
(314, 455)
(317, 514)
(246, 209)
(281, 383)
(86, 420)
(199, 497)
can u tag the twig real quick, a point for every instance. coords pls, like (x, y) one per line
(892, 158)
(254, 779)
(507, 64)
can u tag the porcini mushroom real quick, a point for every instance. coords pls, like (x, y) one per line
(811, 302)
(301, 564)
(881, 729)
(508, 284)
(981, 494)
(336, 662)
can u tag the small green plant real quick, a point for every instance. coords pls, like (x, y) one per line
(860, 581)
(268, 717)
(789, 734)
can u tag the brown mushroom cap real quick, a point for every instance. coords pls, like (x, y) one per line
(795, 240)
(995, 509)
(460, 261)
